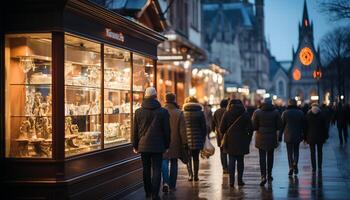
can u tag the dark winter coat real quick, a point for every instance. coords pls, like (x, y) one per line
(196, 128)
(292, 125)
(239, 136)
(216, 123)
(147, 136)
(315, 127)
(341, 115)
(178, 132)
(266, 122)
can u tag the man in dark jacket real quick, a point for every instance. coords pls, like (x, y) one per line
(216, 127)
(292, 127)
(315, 135)
(266, 123)
(196, 131)
(237, 125)
(341, 118)
(151, 138)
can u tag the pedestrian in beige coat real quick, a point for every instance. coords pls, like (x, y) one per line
(178, 141)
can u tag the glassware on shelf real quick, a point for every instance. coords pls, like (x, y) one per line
(28, 86)
(82, 96)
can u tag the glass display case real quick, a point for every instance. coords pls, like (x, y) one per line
(82, 95)
(143, 77)
(102, 85)
(28, 93)
(117, 91)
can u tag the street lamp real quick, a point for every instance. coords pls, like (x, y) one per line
(317, 76)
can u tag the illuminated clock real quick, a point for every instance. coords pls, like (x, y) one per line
(296, 74)
(306, 56)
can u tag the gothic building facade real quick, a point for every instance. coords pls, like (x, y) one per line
(306, 61)
(233, 35)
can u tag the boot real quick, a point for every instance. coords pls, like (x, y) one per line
(263, 181)
(190, 173)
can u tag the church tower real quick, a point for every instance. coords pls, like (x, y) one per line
(306, 61)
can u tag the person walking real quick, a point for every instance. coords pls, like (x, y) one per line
(151, 138)
(236, 127)
(266, 123)
(196, 131)
(341, 119)
(292, 128)
(315, 135)
(178, 142)
(216, 127)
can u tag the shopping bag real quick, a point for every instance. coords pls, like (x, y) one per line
(184, 155)
(208, 149)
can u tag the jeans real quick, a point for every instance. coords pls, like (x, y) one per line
(263, 155)
(171, 178)
(223, 158)
(194, 155)
(293, 155)
(313, 156)
(151, 179)
(343, 132)
(232, 167)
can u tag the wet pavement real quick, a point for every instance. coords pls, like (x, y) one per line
(333, 183)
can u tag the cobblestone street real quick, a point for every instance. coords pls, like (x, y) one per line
(334, 183)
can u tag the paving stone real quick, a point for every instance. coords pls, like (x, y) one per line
(333, 183)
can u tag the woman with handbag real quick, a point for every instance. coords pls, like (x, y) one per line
(196, 131)
(237, 129)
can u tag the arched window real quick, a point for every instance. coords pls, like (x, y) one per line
(281, 89)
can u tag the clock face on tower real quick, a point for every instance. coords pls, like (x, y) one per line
(306, 56)
(296, 74)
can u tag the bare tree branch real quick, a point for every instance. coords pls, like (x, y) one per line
(336, 9)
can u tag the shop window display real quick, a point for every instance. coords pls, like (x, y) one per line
(117, 91)
(82, 95)
(28, 93)
(143, 77)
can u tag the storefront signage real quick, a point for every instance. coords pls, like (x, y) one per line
(171, 58)
(114, 35)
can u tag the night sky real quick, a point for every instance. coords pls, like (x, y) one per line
(282, 20)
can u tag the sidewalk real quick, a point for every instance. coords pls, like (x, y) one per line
(334, 183)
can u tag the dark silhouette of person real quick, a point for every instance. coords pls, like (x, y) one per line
(292, 128)
(216, 127)
(341, 119)
(315, 135)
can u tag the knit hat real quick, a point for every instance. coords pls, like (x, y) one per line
(150, 92)
(170, 98)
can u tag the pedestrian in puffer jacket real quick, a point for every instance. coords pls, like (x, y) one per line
(293, 122)
(237, 128)
(316, 135)
(196, 130)
(267, 123)
(151, 138)
(216, 127)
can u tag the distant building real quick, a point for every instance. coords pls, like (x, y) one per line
(306, 60)
(234, 35)
(279, 79)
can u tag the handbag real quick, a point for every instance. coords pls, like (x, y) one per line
(208, 148)
(224, 138)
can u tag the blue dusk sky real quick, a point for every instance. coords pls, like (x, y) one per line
(282, 19)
